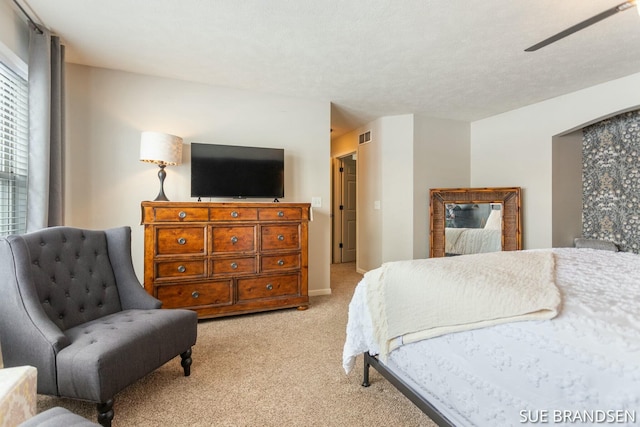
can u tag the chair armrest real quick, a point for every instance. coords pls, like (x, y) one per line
(28, 336)
(132, 294)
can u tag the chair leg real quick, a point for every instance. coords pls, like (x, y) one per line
(186, 362)
(105, 413)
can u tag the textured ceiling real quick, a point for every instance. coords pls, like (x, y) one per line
(457, 59)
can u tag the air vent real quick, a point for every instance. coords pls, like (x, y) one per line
(365, 137)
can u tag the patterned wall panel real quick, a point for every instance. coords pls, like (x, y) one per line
(611, 181)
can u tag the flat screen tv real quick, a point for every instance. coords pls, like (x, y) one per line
(236, 171)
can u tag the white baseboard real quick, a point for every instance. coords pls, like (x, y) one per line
(318, 292)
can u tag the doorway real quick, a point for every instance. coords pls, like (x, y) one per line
(344, 209)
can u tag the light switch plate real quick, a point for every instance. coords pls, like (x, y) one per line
(316, 202)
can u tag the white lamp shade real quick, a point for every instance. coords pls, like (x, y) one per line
(160, 148)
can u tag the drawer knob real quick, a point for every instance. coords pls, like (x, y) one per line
(280, 214)
(182, 241)
(234, 240)
(182, 268)
(234, 214)
(269, 286)
(280, 237)
(182, 214)
(195, 294)
(234, 265)
(281, 262)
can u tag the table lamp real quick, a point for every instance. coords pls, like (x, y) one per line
(162, 149)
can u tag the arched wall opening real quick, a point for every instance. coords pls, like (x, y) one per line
(596, 181)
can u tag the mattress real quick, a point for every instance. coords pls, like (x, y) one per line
(581, 367)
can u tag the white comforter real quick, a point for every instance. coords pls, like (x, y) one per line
(585, 360)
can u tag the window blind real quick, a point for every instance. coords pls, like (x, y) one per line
(14, 132)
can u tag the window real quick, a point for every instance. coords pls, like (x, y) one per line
(13, 151)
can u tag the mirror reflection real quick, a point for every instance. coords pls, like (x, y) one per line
(462, 220)
(472, 228)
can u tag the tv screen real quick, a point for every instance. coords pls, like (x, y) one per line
(236, 171)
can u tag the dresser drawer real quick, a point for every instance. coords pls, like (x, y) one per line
(234, 214)
(233, 239)
(279, 214)
(196, 294)
(267, 287)
(184, 269)
(233, 265)
(180, 240)
(280, 262)
(274, 237)
(180, 214)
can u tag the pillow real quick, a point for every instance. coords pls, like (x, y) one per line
(604, 245)
(494, 222)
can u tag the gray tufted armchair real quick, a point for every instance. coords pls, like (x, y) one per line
(71, 305)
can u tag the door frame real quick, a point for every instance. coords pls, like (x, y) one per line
(336, 214)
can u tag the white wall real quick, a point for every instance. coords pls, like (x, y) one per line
(105, 181)
(515, 148)
(408, 155)
(369, 219)
(441, 160)
(566, 179)
(385, 191)
(397, 169)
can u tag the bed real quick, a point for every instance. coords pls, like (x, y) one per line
(575, 361)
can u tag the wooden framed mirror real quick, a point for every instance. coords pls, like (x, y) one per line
(474, 220)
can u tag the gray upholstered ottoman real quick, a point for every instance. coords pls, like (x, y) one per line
(58, 417)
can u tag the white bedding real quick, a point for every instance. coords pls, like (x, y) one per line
(583, 363)
(418, 299)
(461, 241)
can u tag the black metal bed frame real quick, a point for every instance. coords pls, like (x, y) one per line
(423, 404)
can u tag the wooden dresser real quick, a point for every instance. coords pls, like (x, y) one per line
(220, 259)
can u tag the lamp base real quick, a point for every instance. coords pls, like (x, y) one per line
(161, 176)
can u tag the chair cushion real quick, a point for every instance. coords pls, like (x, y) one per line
(58, 417)
(109, 353)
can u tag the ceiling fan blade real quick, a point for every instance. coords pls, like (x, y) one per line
(587, 22)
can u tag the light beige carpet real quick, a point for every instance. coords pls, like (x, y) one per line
(279, 368)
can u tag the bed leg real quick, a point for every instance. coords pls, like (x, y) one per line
(365, 374)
